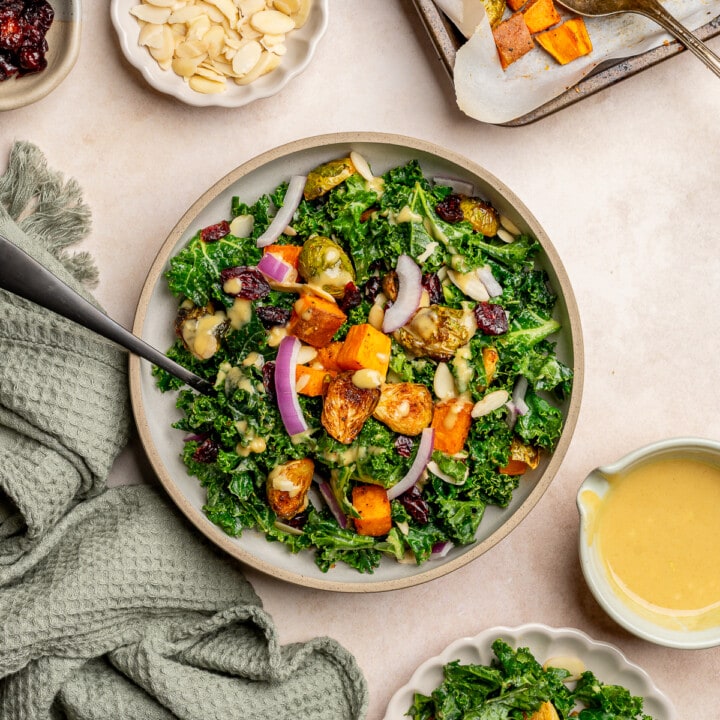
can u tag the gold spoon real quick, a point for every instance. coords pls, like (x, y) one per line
(653, 10)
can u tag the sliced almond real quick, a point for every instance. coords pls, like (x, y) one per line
(301, 16)
(215, 40)
(206, 86)
(185, 14)
(161, 3)
(227, 8)
(186, 66)
(250, 7)
(271, 22)
(267, 63)
(191, 49)
(246, 58)
(151, 13)
(287, 6)
(151, 35)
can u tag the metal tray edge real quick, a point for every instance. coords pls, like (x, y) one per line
(447, 41)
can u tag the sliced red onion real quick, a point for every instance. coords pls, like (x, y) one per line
(274, 267)
(517, 405)
(459, 187)
(315, 498)
(441, 549)
(408, 297)
(422, 458)
(493, 287)
(284, 216)
(332, 503)
(287, 399)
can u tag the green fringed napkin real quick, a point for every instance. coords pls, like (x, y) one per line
(110, 605)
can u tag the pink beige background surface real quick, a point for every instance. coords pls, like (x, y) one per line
(625, 185)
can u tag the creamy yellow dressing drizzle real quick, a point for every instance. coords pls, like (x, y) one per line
(657, 531)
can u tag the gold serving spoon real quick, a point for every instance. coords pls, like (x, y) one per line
(24, 276)
(653, 10)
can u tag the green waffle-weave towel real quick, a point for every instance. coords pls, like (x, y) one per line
(110, 604)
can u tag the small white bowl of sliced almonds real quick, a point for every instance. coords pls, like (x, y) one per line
(219, 52)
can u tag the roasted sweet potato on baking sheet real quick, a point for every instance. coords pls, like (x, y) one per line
(566, 42)
(540, 15)
(513, 39)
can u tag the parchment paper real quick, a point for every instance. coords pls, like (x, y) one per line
(487, 93)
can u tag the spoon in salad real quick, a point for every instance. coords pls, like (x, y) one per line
(22, 275)
(653, 10)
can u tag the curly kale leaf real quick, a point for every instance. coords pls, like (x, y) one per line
(195, 271)
(541, 425)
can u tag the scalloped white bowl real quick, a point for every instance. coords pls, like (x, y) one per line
(606, 661)
(595, 486)
(301, 45)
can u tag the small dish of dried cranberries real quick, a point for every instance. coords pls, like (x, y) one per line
(39, 44)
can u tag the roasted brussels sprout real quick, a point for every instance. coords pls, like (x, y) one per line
(325, 264)
(201, 328)
(346, 407)
(437, 332)
(494, 9)
(481, 215)
(327, 176)
(287, 487)
(406, 408)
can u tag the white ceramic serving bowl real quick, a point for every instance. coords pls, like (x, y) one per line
(63, 40)
(607, 663)
(301, 45)
(157, 308)
(595, 486)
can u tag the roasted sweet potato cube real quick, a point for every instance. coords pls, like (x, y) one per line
(315, 320)
(326, 357)
(540, 15)
(451, 421)
(515, 5)
(288, 253)
(365, 347)
(287, 487)
(311, 381)
(406, 408)
(373, 506)
(346, 407)
(522, 458)
(566, 42)
(512, 39)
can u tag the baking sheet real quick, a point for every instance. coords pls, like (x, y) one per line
(448, 40)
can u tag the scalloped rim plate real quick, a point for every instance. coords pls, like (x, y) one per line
(605, 660)
(63, 50)
(155, 412)
(301, 46)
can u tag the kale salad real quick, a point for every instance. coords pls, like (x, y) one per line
(382, 354)
(515, 686)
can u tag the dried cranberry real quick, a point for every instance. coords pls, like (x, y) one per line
(431, 283)
(268, 376)
(367, 214)
(212, 233)
(351, 298)
(298, 521)
(31, 60)
(372, 288)
(40, 14)
(252, 284)
(491, 319)
(449, 209)
(23, 25)
(404, 445)
(206, 451)
(413, 501)
(7, 67)
(271, 316)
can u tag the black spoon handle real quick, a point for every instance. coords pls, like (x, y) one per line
(21, 275)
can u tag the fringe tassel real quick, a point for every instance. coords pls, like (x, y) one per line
(48, 208)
